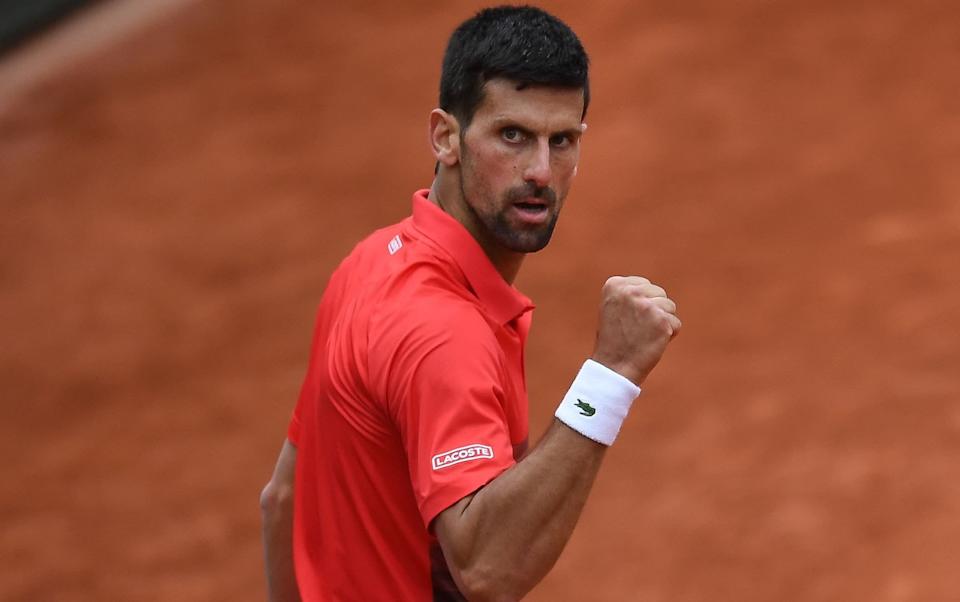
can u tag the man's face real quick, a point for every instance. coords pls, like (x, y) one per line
(517, 160)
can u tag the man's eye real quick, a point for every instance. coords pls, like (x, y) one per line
(560, 140)
(512, 134)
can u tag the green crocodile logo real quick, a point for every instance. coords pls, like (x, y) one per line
(585, 408)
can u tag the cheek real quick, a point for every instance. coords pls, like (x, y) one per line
(565, 167)
(498, 166)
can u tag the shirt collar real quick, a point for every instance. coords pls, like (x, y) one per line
(501, 300)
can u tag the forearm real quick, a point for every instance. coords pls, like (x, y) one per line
(278, 557)
(276, 505)
(511, 532)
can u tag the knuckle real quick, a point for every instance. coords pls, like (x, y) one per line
(643, 303)
(613, 282)
(659, 319)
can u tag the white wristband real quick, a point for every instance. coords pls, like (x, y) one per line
(597, 402)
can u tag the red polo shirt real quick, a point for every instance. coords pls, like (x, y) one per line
(414, 398)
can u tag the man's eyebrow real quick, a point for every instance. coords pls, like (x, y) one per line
(572, 133)
(503, 122)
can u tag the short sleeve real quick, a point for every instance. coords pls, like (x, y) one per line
(293, 429)
(451, 415)
(307, 391)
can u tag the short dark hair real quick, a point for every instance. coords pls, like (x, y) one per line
(520, 43)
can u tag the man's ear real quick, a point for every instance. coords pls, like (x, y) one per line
(445, 137)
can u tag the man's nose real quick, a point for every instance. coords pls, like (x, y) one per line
(538, 167)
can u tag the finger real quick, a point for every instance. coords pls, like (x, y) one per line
(675, 324)
(647, 289)
(665, 303)
(627, 280)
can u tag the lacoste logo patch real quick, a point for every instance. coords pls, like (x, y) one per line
(395, 244)
(466, 453)
(585, 408)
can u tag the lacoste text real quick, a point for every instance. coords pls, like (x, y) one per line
(462, 454)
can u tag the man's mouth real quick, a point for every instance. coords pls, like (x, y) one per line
(532, 211)
(531, 206)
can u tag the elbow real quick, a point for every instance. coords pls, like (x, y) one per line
(491, 584)
(276, 499)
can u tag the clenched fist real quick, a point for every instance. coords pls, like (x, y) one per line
(637, 321)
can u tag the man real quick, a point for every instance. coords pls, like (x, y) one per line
(408, 443)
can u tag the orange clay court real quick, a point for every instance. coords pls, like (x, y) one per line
(173, 201)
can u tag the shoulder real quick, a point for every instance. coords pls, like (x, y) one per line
(428, 312)
(438, 336)
(374, 248)
(423, 289)
(366, 265)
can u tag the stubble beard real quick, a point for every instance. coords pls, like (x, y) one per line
(497, 225)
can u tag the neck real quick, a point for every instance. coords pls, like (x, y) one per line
(445, 193)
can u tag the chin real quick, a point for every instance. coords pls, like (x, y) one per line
(527, 242)
(520, 238)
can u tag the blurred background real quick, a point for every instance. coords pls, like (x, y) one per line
(179, 177)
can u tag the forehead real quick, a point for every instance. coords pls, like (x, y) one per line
(535, 107)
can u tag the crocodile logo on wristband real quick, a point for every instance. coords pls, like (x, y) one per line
(585, 408)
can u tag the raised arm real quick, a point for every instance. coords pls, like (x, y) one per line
(502, 540)
(276, 507)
